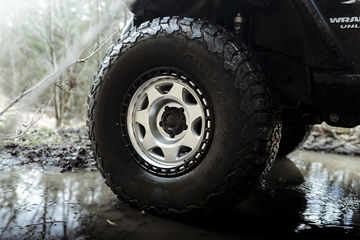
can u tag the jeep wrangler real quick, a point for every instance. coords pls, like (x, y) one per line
(191, 106)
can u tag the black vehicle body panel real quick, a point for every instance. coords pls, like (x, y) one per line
(348, 38)
(309, 49)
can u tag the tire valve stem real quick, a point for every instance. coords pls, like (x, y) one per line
(172, 135)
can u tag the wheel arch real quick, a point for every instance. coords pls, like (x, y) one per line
(291, 38)
(291, 28)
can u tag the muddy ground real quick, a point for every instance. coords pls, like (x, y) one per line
(50, 189)
(69, 149)
(59, 150)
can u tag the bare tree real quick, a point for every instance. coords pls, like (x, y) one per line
(46, 39)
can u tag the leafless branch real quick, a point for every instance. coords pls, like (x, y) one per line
(51, 75)
(36, 117)
(62, 88)
(37, 224)
(83, 60)
(16, 100)
(26, 92)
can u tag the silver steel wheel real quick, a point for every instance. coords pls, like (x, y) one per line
(167, 122)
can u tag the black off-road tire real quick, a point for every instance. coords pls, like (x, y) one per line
(245, 123)
(291, 138)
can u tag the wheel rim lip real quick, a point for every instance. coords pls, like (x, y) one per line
(166, 100)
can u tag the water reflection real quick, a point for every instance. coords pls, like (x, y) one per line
(331, 188)
(46, 206)
(307, 192)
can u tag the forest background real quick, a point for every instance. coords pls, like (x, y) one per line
(50, 50)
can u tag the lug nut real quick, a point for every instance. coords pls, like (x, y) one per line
(161, 124)
(167, 108)
(172, 135)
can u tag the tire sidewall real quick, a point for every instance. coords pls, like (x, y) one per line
(227, 102)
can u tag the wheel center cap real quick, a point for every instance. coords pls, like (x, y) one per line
(173, 121)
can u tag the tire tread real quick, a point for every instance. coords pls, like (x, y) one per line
(248, 79)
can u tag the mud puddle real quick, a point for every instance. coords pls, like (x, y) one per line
(308, 195)
(43, 205)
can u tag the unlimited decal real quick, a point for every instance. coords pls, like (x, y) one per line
(347, 22)
(350, 22)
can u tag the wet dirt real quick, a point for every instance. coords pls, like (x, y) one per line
(69, 149)
(49, 189)
(59, 150)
